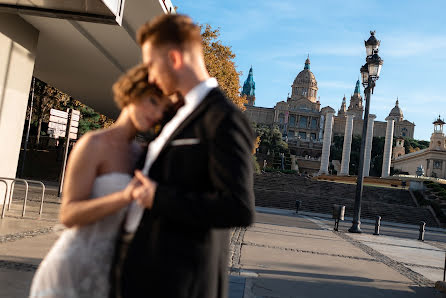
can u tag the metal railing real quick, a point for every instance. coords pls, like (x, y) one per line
(26, 183)
(6, 193)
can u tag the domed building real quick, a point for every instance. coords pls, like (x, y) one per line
(301, 119)
(298, 118)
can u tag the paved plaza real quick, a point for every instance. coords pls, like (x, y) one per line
(281, 255)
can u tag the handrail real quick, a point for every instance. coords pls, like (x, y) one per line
(26, 183)
(14, 180)
(6, 193)
(43, 193)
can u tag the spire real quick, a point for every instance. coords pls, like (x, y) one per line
(249, 86)
(397, 102)
(358, 87)
(307, 62)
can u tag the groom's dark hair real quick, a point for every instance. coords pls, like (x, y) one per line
(170, 29)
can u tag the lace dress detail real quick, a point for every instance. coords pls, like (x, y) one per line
(79, 263)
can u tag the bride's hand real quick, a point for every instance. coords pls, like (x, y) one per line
(127, 192)
(144, 193)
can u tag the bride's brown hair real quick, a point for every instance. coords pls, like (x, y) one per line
(134, 85)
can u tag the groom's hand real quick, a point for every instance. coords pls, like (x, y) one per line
(144, 193)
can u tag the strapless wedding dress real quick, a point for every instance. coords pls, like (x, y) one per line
(79, 263)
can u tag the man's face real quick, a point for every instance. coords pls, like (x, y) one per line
(160, 68)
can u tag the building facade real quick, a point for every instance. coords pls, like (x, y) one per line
(300, 117)
(432, 159)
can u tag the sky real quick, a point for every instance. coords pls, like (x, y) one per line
(275, 37)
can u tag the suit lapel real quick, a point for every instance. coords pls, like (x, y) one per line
(197, 112)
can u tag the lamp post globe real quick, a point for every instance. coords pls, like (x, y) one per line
(365, 75)
(372, 44)
(374, 64)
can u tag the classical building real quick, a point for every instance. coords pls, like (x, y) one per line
(302, 121)
(433, 159)
(402, 127)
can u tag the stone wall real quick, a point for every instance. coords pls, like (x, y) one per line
(260, 115)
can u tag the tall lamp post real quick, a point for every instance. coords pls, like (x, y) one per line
(369, 74)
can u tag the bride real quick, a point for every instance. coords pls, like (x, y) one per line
(97, 192)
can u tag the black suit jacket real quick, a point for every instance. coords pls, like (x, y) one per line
(205, 186)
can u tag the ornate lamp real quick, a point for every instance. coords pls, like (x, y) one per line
(372, 44)
(374, 65)
(369, 74)
(365, 75)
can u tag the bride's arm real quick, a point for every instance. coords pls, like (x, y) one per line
(82, 170)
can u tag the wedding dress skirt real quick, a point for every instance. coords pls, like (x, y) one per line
(79, 263)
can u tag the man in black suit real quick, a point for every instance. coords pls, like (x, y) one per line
(197, 181)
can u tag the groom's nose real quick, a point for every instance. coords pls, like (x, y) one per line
(151, 79)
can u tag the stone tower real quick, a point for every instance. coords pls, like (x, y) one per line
(249, 88)
(355, 106)
(343, 110)
(398, 150)
(305, 84)
(438, 139)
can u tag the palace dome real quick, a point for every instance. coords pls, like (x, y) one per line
(396, 111)
(305, 77)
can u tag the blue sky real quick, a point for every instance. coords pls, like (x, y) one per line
(276, 36)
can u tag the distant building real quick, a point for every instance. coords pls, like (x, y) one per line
(249, 89)
(301, 119)
(433, 159)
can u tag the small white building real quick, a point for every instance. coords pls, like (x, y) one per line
(433, 159)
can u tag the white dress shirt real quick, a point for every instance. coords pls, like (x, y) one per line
(191, 101)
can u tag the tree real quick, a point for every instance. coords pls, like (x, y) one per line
(270, 139)
(219, 60)
(44, 101)
(47, 97)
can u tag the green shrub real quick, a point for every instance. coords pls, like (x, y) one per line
(256, 165)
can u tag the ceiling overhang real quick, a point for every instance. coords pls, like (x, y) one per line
(83, 55)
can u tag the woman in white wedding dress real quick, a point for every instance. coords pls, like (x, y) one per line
(96, 194)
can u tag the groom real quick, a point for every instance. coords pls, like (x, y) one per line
(197, 181)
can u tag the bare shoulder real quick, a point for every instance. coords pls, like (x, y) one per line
(90, 141)
(90, 146)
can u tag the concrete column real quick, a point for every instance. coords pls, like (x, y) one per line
(346, 149)
(388, 148)
(326, 143)
(368, 145)
(18, 47)
(321, 128)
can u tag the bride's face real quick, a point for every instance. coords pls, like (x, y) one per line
(147, 112)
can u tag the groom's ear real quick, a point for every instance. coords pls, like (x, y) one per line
(175, 57)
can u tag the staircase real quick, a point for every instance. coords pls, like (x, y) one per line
(279, 190)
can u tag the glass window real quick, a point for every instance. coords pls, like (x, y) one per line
(302, 135)
(281, 118)
(437, 164)
(292, 120)
(313, 123)
(313, 136)
(303, 122)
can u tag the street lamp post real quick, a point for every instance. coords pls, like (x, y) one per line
(369, 74)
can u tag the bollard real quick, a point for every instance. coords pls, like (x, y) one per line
(377, 225)
(422, 230)
(298, 206)
(338, 214)
(444, 269)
